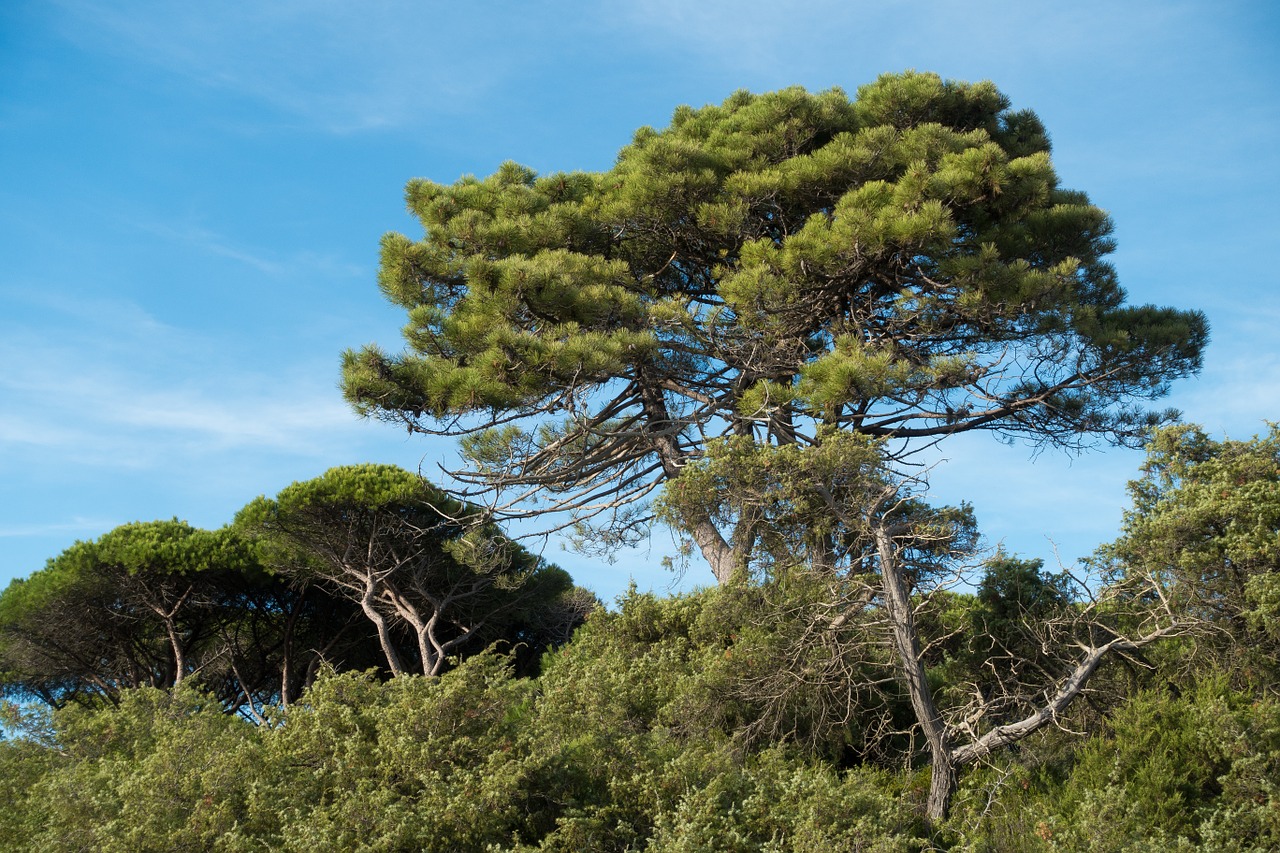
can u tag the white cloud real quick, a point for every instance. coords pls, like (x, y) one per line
(1236, 395)
(26, 430)
(130, 319)
(729, 33)
(105, 417)
(763, 38)
(1035, 504)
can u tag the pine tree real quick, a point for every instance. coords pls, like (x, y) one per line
(783, 267)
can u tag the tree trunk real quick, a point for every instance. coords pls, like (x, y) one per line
(384, 633)
(942, 784)
(906, 643)
(944, 757)
(179, 658)
(719, 555)
(286, 655)
(170, 619)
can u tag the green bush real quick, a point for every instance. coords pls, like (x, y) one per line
(776, 803)
(1189, 772)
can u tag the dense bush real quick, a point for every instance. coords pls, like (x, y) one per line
(633, 737)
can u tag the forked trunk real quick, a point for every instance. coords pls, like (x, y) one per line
(384, 632)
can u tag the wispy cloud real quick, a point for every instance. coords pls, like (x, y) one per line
(128, 318)
(729, 33)
(760, 44)
(1235, 396)
(108, 385)
(25, 430)
(752, 36)
(1029, 499)
(105, 417)
(210, 242)
(341, 66)
(74, 525)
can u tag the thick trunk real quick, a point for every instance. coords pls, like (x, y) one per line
(718, 554)
(942, 784)
(906, 643)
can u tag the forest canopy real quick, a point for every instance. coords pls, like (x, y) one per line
(362, 567)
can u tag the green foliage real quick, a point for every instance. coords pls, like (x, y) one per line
(611, 741)
(171, 547)
(977, 682)
(409, 764)
(775, 803)
(1012, 590)
(24, 762)
(782, 496)
(412, 764)
(1005, 637)
(605, 751)
(813, 507)
(1206, 525)
(1196, 770)
(159, 771)
(631, 738)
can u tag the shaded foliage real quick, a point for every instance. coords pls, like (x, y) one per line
(430, 576)
(253, 615)
(629, 739)
(150, 604)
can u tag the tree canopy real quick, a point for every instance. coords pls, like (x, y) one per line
(147, 603)
(255, 611)
(903, 265)
(764, 309)
(414, 560)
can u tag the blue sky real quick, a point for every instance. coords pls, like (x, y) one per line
(191, 197)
